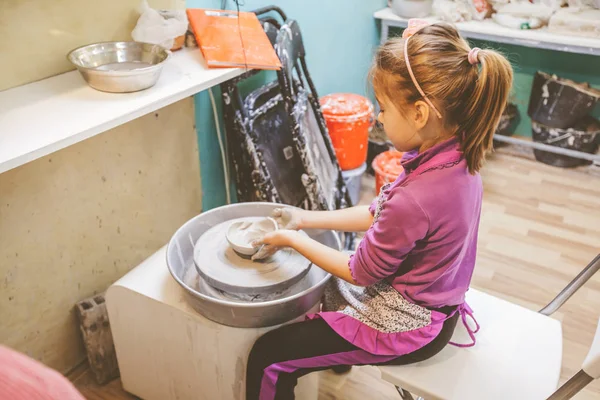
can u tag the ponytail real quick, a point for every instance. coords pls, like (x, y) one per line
(470, 87)
(485, 107)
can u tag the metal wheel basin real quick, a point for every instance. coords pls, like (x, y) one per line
(238, 309)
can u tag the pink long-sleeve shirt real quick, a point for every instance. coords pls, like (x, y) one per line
(424, 236)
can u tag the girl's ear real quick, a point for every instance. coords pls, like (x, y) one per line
(421, 115)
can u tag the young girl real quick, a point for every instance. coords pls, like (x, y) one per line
(398, 298)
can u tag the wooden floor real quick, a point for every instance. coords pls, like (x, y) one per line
(540, 226)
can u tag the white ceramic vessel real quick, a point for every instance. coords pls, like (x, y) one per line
(411, 8)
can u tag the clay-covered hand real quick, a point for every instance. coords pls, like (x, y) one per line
(288, 218)
(271, 243)
(265, 251)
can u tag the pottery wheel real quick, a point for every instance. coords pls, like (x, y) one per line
(224, 269)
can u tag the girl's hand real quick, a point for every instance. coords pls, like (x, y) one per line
(288, 218)
(333, 261)
(271, 243)
(355, 219)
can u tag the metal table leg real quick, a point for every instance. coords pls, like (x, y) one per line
(385, 30)
(406, 395)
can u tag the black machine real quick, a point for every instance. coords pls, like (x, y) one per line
(279, 146)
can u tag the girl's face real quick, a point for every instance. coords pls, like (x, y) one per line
(399, 127)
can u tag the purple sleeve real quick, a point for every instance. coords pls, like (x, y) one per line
(401, 223)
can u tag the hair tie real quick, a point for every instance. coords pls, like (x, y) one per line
(473, 55)
(414, 25)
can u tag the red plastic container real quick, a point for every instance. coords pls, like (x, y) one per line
(387, 168)
(349, 119)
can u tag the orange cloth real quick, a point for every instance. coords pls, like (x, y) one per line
(217, 33)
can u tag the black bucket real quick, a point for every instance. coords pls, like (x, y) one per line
(507, 124)
(584, 136)
(560, 103)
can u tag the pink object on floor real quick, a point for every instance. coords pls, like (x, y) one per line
(23, 378)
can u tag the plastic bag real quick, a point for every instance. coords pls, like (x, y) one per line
(584, 4)
(480, 9)
(577, 22)
(515, 22)
(461, 10)
(553, 4)
(498, 3)
(540, 13)
(160, 27)
(452, 11)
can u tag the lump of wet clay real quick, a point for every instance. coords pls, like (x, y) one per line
(241, 234)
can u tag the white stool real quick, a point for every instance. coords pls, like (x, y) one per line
(167, 351)
(518, 355)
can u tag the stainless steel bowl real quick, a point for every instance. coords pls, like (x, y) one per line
(120, 67)
(229, 310)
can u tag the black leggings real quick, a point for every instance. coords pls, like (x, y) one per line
(283, 355)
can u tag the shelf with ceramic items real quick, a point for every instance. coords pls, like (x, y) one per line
(42, 117)
(541, 38)
(491, 31)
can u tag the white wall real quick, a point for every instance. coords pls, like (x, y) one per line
(75, 221)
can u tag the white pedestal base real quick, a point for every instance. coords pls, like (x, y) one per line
(166, 350)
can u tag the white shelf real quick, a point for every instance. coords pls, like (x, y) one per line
(491, 31)
(42, 117)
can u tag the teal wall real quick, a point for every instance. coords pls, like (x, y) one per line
(339, 37)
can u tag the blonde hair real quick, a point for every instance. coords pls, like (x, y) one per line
(470, 97)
